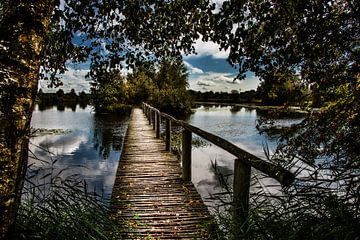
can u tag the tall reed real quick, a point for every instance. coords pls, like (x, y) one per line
(56, 205)
(302, 211)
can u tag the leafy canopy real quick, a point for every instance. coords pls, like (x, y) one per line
(117, 34)
(317, 40)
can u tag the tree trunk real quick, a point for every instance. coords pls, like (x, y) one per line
(23, 30)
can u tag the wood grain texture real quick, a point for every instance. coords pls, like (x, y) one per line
(149, 195)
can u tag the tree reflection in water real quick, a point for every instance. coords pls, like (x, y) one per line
(108, 133)
(84, 144)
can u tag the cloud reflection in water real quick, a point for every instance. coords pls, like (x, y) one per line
(91, 150)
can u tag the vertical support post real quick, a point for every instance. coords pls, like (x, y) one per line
(149, 116)
(153, 119)
(242, 175)
(168, 135)
(157, 125)
(186, 155)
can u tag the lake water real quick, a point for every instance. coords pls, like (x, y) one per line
(90, 145)
(84, 143)
(238, 125)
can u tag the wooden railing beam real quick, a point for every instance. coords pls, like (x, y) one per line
(242, 165)
(284, 176)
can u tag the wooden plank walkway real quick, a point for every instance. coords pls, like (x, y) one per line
(149, 194)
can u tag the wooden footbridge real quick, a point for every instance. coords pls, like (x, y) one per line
(153, 196)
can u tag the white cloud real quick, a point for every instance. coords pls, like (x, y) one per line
(215, 81)
(203, 82)
(192, 69)
(234, 81)
(218, 5)
(209, 49)
(225, 78)
(72, 79)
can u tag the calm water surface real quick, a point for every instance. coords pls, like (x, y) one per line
(84, 143)
(239, 127)
(90, 145)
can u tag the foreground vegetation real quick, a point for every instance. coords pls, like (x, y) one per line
(56, 205)
(305, 210)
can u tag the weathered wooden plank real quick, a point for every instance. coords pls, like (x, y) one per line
(149, 193)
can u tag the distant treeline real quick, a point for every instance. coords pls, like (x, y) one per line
(71, 99)
(226, 97)
(62, 99)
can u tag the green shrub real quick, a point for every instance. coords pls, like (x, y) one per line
(173, 101)
(117, 108)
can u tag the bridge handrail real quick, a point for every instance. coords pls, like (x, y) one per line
(242, 166)
(283, 176)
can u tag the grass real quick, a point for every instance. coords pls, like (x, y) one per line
(55, 206)
(299, 212)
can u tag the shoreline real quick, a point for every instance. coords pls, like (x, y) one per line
(261, 107)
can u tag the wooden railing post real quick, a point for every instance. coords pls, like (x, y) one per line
(242, 176)
(153, 118)
(168, 135)
(149, 115)
(157, 125)
(186, 155)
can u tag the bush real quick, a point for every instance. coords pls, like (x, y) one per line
(117, 108)
(172, 101)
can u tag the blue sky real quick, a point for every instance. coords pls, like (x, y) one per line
(208, 71)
